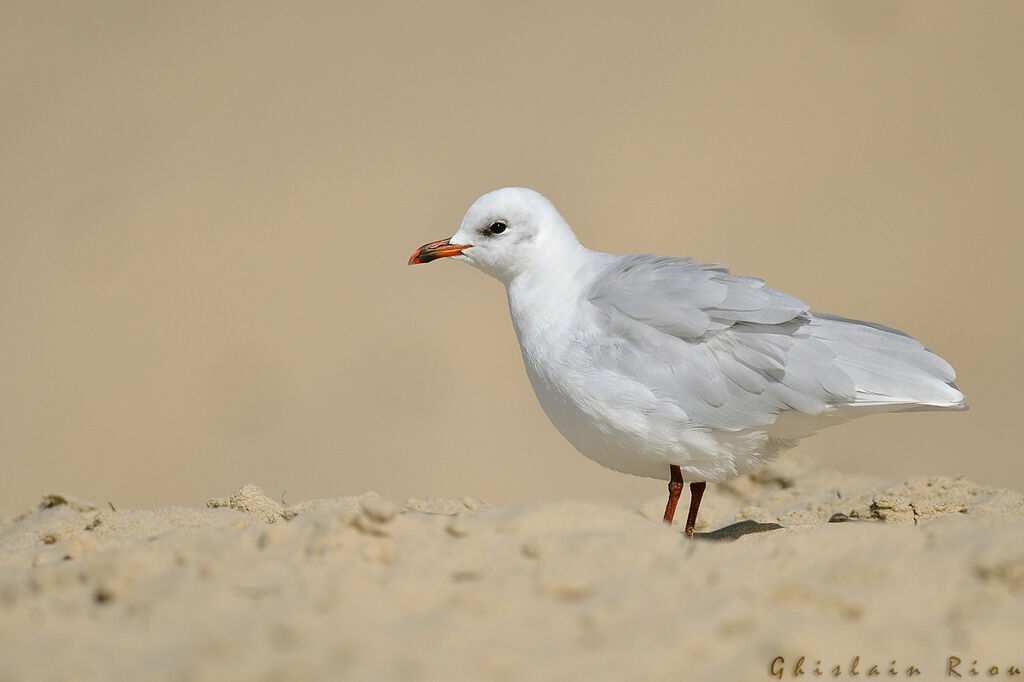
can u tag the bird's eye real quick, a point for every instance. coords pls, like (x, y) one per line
(498, 226)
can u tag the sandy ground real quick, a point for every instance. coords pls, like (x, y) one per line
(364, 588)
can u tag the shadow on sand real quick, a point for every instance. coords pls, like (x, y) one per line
(736, 530)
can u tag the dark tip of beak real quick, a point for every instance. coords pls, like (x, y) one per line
(423, 255)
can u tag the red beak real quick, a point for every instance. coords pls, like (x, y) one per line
(442, 248)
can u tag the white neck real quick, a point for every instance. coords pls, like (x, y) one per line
(540, 295)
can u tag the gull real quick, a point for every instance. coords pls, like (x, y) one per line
(671, 369)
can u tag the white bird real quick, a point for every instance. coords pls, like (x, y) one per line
(662, 367)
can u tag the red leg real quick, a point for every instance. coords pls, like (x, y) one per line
(696, 493)
(675, 488)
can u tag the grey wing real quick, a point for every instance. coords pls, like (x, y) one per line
(734, 353)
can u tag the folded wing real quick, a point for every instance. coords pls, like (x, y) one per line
(733, 353)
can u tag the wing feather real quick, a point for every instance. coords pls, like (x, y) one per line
(732, 353)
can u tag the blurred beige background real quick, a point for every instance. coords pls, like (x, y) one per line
(206, 211)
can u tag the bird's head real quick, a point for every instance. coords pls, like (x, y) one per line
(504, 233)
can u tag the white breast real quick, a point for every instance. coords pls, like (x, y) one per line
(611, 418)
